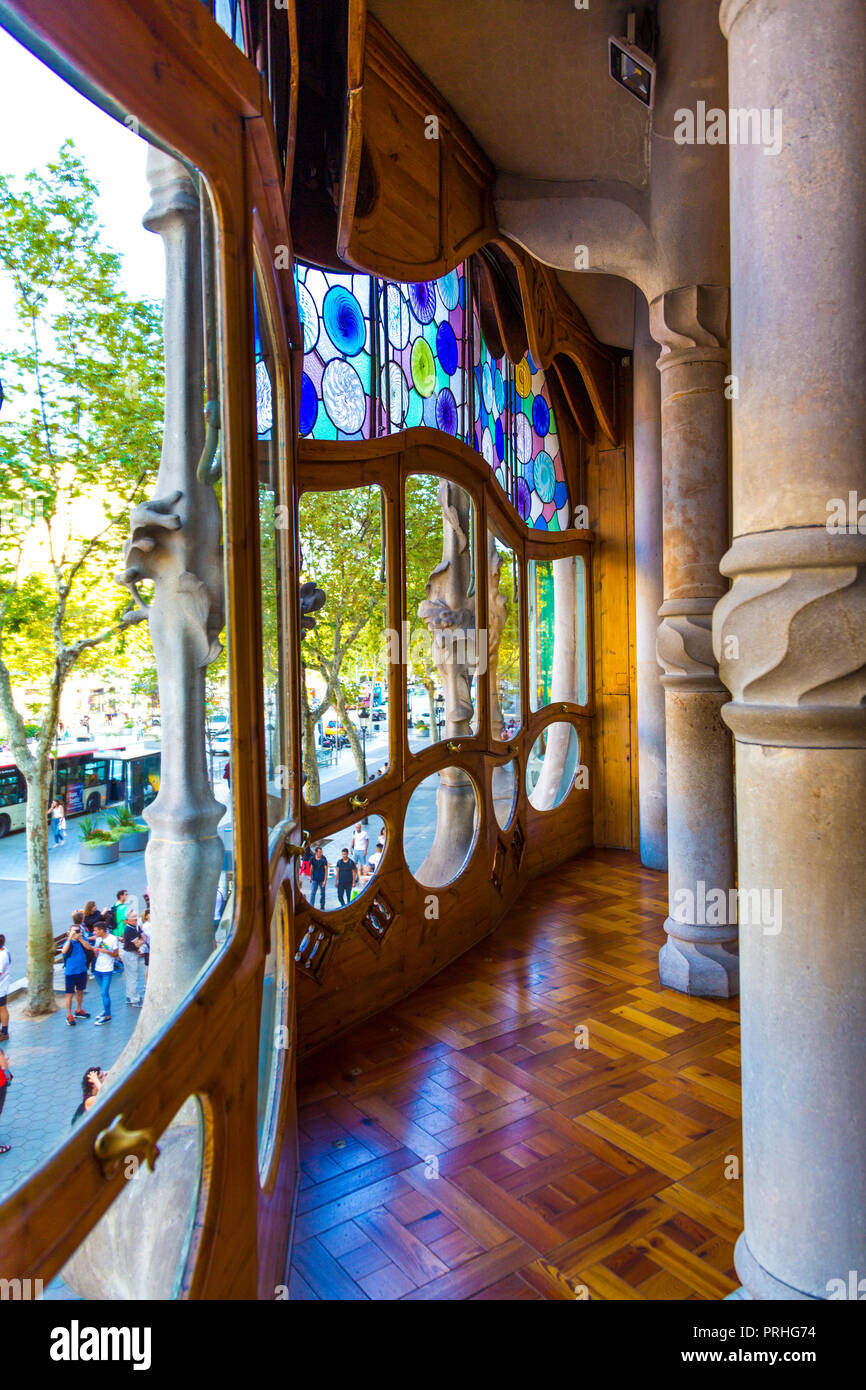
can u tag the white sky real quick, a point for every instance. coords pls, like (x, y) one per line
(38, 111)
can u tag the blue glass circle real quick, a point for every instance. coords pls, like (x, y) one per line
(446, 411)
(446, 348)
(449, 289)
(344, 321)
(309, 405)
(540, 416)
(560, 496)
(523, 499)
(422, 298)
(545, 476)
(529, 475)
(499, 390)
(499, 441)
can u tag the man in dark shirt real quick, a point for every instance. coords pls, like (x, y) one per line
(75, 968)
(318, 876)
(346, 875)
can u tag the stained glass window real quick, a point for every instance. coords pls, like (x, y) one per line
(380, 357)
(227, 14)
(424, 354)
(335, 310)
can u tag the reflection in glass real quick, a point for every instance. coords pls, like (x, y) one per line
(332, 879)
(443, 652)
(273, 1037)
(271, 550)
(344, 680)
(552, 766)
(558, 669)
(440, 826)
(504, 787)
(503, 638)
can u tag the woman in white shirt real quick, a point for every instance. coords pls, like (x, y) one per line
(5, 977)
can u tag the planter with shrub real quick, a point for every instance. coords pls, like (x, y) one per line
(98, 843)
(132, 833)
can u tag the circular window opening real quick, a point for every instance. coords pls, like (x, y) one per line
(440, 826)
(504, 788)
(339, 867)
(552, 766)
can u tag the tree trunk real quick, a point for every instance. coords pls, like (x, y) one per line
(312, 789)
(40, 932)
(352, 734)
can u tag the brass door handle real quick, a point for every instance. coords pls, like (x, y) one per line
(291, 850)
(358, 802)
(117, 1142)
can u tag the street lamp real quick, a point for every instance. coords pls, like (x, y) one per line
(364, 717)
(270, 726)
(440, 714)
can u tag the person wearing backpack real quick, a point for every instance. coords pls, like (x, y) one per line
(116, 914)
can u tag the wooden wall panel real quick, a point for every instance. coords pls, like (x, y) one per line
(611, 513)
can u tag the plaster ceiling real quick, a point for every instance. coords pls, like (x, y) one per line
(530, 80)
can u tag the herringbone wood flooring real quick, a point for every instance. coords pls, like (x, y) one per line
(466, 1144)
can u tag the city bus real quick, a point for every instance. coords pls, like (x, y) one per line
(86, 781)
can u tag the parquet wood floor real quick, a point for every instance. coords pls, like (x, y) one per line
(474, 1142)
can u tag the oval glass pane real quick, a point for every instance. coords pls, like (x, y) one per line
(552, 766)
(346, 865)
(504, 787)
(440, 827)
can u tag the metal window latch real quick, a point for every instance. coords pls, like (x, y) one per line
(116, 1143)
(358, 802)
(291, 849)
(564, 708)
(452, 746)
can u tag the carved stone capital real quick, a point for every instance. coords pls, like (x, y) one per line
(790, 638)
(684, 645)
(691, 324)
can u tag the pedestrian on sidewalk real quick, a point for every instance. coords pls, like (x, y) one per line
(91, 1085)
(5, 1078)
(346, 876)
(5, 978)
(75, 968)
(115, 915)
(318, 876)
(106, 956)
(134, 964)
(58, 821)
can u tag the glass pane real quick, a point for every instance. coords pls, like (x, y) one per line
(552, 766)
(424, 354)
(128, 392)
(272, 528)
(440, 611)
(503, 647)
(336, 385)
(504, 786)
(558, 658)
(151, 1222)
(440, 826)
(344, 685)
(341, 866)
(274, 1039)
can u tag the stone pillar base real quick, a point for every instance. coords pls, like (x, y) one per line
(759, 1284)
(711, 969)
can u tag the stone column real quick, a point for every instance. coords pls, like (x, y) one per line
(652, 776)
(700, 955)
(791, 637)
